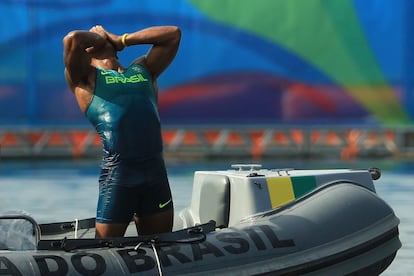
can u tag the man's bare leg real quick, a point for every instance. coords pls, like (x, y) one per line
(110, 230)
(155, 224)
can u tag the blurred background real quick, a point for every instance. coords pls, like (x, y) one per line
(269, 78)
(286, 83)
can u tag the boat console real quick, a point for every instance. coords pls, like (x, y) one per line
(247, 189)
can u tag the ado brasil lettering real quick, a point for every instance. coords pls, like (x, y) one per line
(259, 238)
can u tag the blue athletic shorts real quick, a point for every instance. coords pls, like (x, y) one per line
(132, 188)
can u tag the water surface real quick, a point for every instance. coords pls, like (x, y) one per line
(65, 190)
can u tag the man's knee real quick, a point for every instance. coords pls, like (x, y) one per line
(109, 230)
(157, 223)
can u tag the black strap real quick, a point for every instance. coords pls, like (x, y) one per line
(64, 227)
(188, 235)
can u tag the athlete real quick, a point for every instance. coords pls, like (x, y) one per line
(121, 103)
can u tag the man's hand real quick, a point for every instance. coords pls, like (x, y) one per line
(99, 30)
(114, 39)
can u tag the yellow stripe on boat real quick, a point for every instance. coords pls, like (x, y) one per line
(280, 190)
(286, 189)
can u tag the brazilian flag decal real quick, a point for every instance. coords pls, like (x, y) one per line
(286, 189)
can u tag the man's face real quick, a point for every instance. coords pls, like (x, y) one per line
(106, 52)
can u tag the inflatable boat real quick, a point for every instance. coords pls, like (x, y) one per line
(243, 221)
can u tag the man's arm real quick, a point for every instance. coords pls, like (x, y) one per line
(165, 41)
(77, 47)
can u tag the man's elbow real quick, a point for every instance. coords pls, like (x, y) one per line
(71, 39)
(177, 35)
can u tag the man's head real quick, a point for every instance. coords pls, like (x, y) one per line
(106, 53)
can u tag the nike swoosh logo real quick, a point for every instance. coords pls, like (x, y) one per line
(162, 205)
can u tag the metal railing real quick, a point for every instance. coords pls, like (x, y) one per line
(205, 142)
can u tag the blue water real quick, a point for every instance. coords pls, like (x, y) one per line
(65, 190)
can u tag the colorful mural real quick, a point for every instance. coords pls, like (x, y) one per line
(240, 62)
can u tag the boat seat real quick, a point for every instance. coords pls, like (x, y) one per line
(213, 199)
(18, 231)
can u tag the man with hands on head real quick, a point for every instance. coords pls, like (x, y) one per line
(121, 103)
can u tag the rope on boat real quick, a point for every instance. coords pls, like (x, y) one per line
(76, 228)
(156, 257)
(152, 242)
